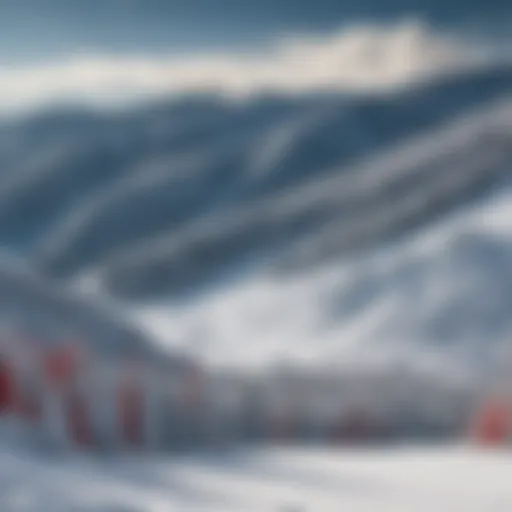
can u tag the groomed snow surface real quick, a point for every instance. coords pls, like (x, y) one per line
(406, 479)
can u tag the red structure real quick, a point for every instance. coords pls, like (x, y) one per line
(61, 365)
(493, 424)
(62, 369)
(7, 388)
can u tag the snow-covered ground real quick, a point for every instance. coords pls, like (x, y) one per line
(407, 479)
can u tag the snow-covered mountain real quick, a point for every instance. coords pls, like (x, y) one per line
(332, 225)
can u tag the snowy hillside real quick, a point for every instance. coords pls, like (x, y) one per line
(283, 265)
(336, 227)
(285, 480)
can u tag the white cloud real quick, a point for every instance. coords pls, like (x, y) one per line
(367, 57)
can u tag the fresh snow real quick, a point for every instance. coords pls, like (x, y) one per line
(407, 479)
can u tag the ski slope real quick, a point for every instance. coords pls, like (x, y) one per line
(409, 479)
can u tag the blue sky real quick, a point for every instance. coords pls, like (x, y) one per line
(54, 51)
(47, 29)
